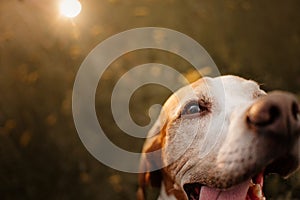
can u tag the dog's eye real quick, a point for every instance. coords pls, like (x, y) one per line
(192, 108)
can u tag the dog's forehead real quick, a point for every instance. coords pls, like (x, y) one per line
(229, 84)
(234, 85)
(216, 87)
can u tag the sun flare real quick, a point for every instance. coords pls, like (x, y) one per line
(70, 8)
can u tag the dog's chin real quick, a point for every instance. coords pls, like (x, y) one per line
(248, 190)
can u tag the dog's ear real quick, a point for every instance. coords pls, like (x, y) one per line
(151, 160)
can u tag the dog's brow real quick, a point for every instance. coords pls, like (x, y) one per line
(204, 98)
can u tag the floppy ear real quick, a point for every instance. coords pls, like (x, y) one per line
(152, 161)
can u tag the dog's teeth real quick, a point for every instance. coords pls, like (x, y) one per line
(258, 191)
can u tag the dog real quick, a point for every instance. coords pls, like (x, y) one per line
(216, 139)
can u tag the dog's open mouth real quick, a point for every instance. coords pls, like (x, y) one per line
(248, 190)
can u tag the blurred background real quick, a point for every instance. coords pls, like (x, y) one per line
(41, 155)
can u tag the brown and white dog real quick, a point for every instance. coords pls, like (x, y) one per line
(217, 137)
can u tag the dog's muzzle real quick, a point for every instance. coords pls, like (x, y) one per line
(274, 122)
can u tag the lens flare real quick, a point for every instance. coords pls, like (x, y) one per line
(70, 8)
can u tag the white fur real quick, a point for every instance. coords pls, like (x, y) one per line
(213, 148)
(227, 94)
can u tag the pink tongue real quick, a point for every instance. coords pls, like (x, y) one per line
(238, 192)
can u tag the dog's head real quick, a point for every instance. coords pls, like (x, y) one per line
(217, 137)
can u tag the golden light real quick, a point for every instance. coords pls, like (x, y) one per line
(70, 8)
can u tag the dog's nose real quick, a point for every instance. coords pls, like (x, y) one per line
(276, 113)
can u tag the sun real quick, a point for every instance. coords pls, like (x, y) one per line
(70, 8)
